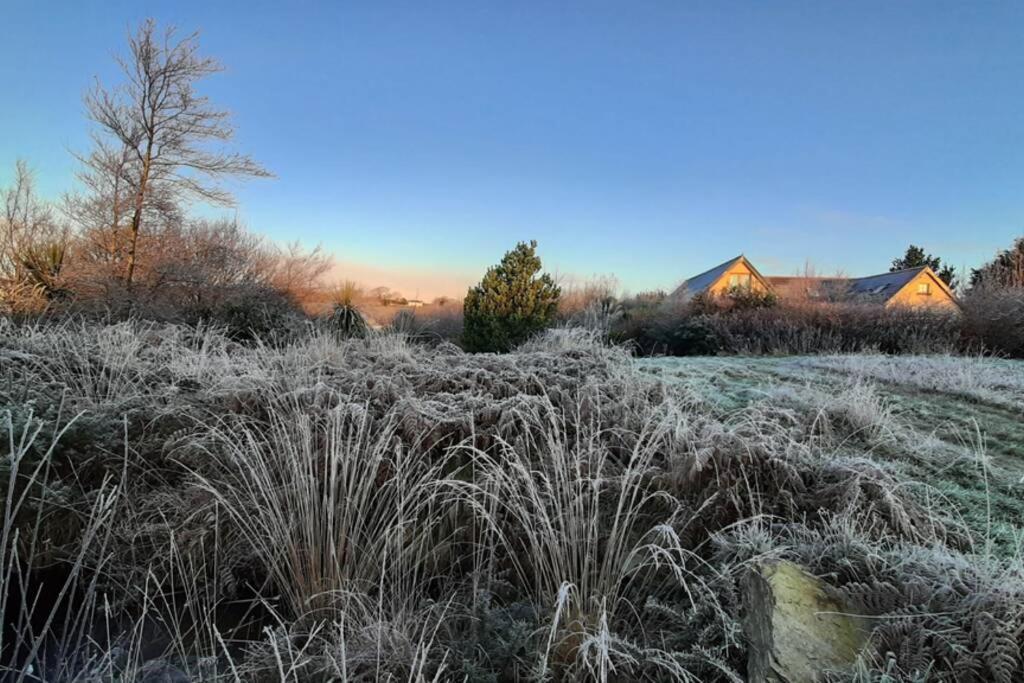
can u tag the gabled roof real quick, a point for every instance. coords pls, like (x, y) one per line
(698, 284)
(885, 285)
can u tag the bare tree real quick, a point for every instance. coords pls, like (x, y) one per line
(156, 134)
(24, 217)
(297, 271)
(100, 211)
(203, 261)
(579, 295)
(32, 241)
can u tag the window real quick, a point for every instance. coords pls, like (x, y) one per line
(739, 281)
(924, 288)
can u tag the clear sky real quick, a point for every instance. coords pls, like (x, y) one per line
(651, 140)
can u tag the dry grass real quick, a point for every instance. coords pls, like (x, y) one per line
(379, 509)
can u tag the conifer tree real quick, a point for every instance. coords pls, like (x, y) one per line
(915, 257)
(512, 302)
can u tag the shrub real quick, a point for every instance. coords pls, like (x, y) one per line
(693, 336)
(511, 303)
(346, 320)
(405, 322)
(789, 329)
(994, 319)
(734, 299)
(830, 328)
(579, 297)
(252, 313)
(638, 317)
(741, 298)
(442, 321)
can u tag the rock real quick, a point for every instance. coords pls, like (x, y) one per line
(796, 626)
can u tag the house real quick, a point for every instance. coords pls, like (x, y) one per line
(909, 287)
(736, 273)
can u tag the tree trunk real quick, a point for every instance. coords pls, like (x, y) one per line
(140, 197)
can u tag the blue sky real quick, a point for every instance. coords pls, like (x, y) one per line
(650, 140)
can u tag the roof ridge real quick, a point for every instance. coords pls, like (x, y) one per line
(810, 277)
(728, 261)
(891, 272)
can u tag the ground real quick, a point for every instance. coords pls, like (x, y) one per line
(389, 506)
(953, 424)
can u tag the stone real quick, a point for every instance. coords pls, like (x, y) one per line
(797, 626)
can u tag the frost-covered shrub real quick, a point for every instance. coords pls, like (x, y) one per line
(823, 328)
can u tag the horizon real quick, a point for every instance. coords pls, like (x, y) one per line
(418, 146)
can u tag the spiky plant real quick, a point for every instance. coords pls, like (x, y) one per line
(42, 265)
(347, 321)
(345, 318)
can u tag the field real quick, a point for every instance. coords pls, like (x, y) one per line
(953, 422)
(180, 505)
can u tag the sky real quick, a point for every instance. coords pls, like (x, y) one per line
(649, 140)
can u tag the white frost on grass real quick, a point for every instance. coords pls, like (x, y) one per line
(988, 380)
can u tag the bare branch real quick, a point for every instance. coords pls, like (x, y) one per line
(165, 134)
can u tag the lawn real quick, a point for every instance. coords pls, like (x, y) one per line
(950, 424)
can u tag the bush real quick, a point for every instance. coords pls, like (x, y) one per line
(837, 328)
(735, 299)
(638, 317)
(346, 320)
(511, 303)
(442, 321)
(697, 329)
(251, 314)
(405, 322)
(994, 320)
(694, 336)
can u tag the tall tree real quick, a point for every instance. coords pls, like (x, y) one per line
(1005, 270)
(915, 257)
(512, 302)
(158, 137)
